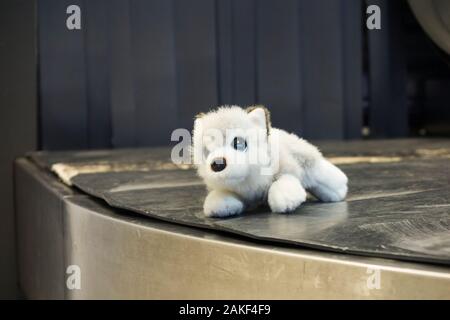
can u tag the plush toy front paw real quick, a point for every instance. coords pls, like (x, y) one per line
(222, 204)
(286, 194)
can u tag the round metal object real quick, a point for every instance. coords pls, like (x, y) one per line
(434, 17)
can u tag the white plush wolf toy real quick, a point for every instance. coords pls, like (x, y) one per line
(244, 162)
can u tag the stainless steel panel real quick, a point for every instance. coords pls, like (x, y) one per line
(121, 255)
(39, 221)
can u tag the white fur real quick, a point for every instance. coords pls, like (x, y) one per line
(220, 203)
(296, 165)
(286, 194)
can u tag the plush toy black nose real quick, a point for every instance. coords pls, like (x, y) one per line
(218, 164)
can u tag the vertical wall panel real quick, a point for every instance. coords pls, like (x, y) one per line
(278, 52)
(244, 53)
(18, 124)
(225, 61)
(352, 73)
(138, 69)
(97, 68)
(195, 48)
(123, 108)
(153, 58)
(322, 57)
(62, 78)
(387, 75)
(237, 51)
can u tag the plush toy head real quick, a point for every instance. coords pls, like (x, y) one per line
(230, 144)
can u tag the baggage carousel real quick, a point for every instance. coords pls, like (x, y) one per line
(131, 222)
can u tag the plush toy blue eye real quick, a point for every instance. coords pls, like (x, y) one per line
(239, 144)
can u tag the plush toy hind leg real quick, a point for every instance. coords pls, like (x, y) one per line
(220, 203)
(326, 181)
(286, 194)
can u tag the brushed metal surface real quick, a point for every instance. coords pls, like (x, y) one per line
(122, 255)
(396, 206)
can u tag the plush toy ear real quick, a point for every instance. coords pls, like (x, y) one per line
(260, 116)
(200, 115)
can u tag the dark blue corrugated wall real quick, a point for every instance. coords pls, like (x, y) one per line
(140, 68)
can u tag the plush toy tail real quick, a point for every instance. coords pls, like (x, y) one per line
(326, 182)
